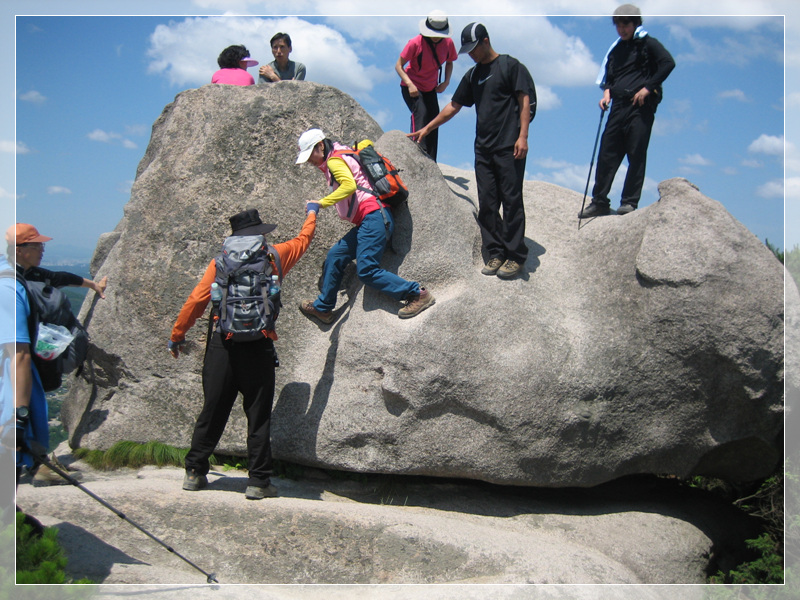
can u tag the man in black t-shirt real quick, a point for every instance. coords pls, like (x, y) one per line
(635, 67)
(501, 89)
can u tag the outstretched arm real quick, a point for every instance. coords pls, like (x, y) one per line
(447, 113)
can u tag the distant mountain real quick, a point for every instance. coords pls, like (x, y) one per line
(66, 254)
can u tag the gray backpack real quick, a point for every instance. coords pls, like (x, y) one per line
(49, 305)
(247, 311)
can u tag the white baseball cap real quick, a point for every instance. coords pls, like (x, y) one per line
(307, 141)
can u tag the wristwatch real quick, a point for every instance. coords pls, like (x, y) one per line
(23, 414)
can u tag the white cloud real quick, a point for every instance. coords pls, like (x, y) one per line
(57, 189)
(109, 137)
(740, 47)
(32, 96)
(771, 189)
(793, 100)
(13, 147)
(752, 163)
(767, 144)
(186, 51)
(566, 174)
(5, 193)
(793, 188)
(136, 129)
(98, 135)
(694, 160)
(733, 95)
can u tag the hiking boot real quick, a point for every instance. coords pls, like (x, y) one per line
(416, 304)
(595, 210)
(509, 270)
(307, 308)
(47, 476)
(254, 492)
(490, 268)
(193, 482)
(624, 209)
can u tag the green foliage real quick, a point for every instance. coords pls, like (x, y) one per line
(766, 504)
(767, 568)
(40, 559)
(792, 262)
(775, 250)
(133, 455)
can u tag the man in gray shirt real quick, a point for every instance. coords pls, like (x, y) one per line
(281, 69)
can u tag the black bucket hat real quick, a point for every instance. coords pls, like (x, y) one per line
(248, 222)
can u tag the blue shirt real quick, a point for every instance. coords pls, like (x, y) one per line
(38, 428)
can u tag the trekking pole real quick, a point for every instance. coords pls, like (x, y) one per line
(39, 453)
(591, 165)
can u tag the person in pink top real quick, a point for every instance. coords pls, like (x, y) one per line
(351, 194)
(422, 63)
(234, 62)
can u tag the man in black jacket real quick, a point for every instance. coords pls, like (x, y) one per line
(635, 67)
(29, 257)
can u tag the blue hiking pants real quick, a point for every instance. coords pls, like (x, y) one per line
(364, 244)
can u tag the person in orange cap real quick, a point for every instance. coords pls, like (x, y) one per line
(29, 245)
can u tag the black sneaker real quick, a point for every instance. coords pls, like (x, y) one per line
(595, 210)
(624, 209)
(193, 482)
(254, 492)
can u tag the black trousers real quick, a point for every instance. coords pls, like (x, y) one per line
(424, 109)
(230, 368)
(627, 133)
(499, 180)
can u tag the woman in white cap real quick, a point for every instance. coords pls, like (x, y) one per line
(421, 67)
(374, 224)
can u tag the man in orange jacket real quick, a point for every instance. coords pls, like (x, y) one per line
(230, 367)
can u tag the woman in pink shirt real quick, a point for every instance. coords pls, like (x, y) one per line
(429, 55)
(233, 63)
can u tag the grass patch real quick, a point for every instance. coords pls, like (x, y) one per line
(134, 455)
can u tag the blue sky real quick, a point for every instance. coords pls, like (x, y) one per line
(86, 90)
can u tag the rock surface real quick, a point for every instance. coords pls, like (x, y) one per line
(381, 530)
(649, 343)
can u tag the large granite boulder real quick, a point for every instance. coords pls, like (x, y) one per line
(649, 343)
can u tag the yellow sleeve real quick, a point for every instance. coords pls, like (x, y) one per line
(347, 183)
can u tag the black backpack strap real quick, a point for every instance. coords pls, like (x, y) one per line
(352, 198)
(33, 317)
(432, 46)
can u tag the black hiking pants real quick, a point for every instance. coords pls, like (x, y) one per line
(627, 133)
(424, 109)
(230, 368)
(499, 180)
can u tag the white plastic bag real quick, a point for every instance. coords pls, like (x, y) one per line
(52, 340)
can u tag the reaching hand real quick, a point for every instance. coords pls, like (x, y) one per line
(100, 287)
(312, 207)
(175, 348)
(418, 135)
